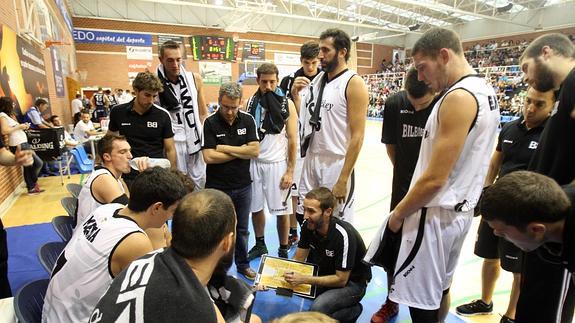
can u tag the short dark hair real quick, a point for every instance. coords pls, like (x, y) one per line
(40, 101)
(52, 117)
(267, 68)
(153, 185)
(188, 183)
(309, 50)
(106, 144)
(85, 111)
(414, 87)
(170, 44)
(147, 81)
(324, 196)
(201, 221)
(341, 40)
(433, 40)
(7, 105)
(522, 197)
(78, 95)
(560, 44)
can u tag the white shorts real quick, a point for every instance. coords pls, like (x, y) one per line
(296, 176)
(192, 165)
(266, 179)
(324, 170)
(424, 272)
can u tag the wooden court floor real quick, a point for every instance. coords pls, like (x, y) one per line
(373, 176)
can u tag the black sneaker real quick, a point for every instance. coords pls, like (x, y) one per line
(257, 251)
(283, 253)
(474, 308)
(505, 319)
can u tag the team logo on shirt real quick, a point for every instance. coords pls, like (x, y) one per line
(533, 145)
(329, 253)
(152, 124)
(405, 111)
(242, 131)
(410, 131)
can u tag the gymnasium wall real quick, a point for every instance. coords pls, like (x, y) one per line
(11, 177)
(106, 65)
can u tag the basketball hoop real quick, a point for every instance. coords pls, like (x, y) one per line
(50, 43)
(83, 75)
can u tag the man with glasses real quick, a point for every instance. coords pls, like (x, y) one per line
(229, 141)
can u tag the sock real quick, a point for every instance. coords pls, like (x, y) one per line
(293, 231)
(283, 246)
(260, 240)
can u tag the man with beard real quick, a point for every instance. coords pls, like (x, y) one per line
(292, 85)
(435, 215)
(104, 185)
(549, 64)
(146, 126)
(272, 171)
(338, 251)
(170, 286)
(184, 99)
(333, 114)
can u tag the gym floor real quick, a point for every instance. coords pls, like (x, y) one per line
(373, 176)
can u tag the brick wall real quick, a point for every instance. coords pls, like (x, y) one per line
(11, 177)
(107, 64)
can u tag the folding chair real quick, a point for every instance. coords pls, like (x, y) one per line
(49, 253)
(64, 227)
(29, 300)
(70, 204)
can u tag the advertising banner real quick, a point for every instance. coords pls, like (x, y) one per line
(215, 73)
(111, 37)
(22, 71)
(57, 69)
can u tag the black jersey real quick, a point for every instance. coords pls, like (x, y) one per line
(403, 127)
(518, 144)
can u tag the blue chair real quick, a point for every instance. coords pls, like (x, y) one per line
(74, 189)
(85, 159)
(83, 166)
(64, 226)
(29, 300)
(70, 204)
(49, 253)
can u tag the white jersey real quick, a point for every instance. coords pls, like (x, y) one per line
(274, 147)
(334, 134)
(465, 181)
(87, 202)
(186, 121)
(83, 271)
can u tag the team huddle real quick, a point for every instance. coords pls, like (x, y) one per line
(293, 147)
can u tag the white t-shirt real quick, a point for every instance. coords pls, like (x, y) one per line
(76, 106)
(16, 137)
(80, 131)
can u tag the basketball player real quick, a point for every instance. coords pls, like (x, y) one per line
(100, 104)
(517, 142)
(333, 115)
(272, 171)
(104, 185)
(435, 215)
(308, 71)
(108, 241)
(549, 64)
(404, 119)
(184, 99)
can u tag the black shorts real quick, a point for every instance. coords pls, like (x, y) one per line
(490, 246)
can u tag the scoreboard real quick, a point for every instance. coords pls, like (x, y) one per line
(213, 48)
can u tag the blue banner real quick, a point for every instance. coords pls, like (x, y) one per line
(110, 37)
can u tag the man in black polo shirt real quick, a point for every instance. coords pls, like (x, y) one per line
(229, 142)
(404, 119)
(146, 126)
(549, 64)
(517, 142)
(338, 251)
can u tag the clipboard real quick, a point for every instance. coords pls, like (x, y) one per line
(271, 270)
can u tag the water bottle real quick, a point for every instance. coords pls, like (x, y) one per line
(152, 162)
